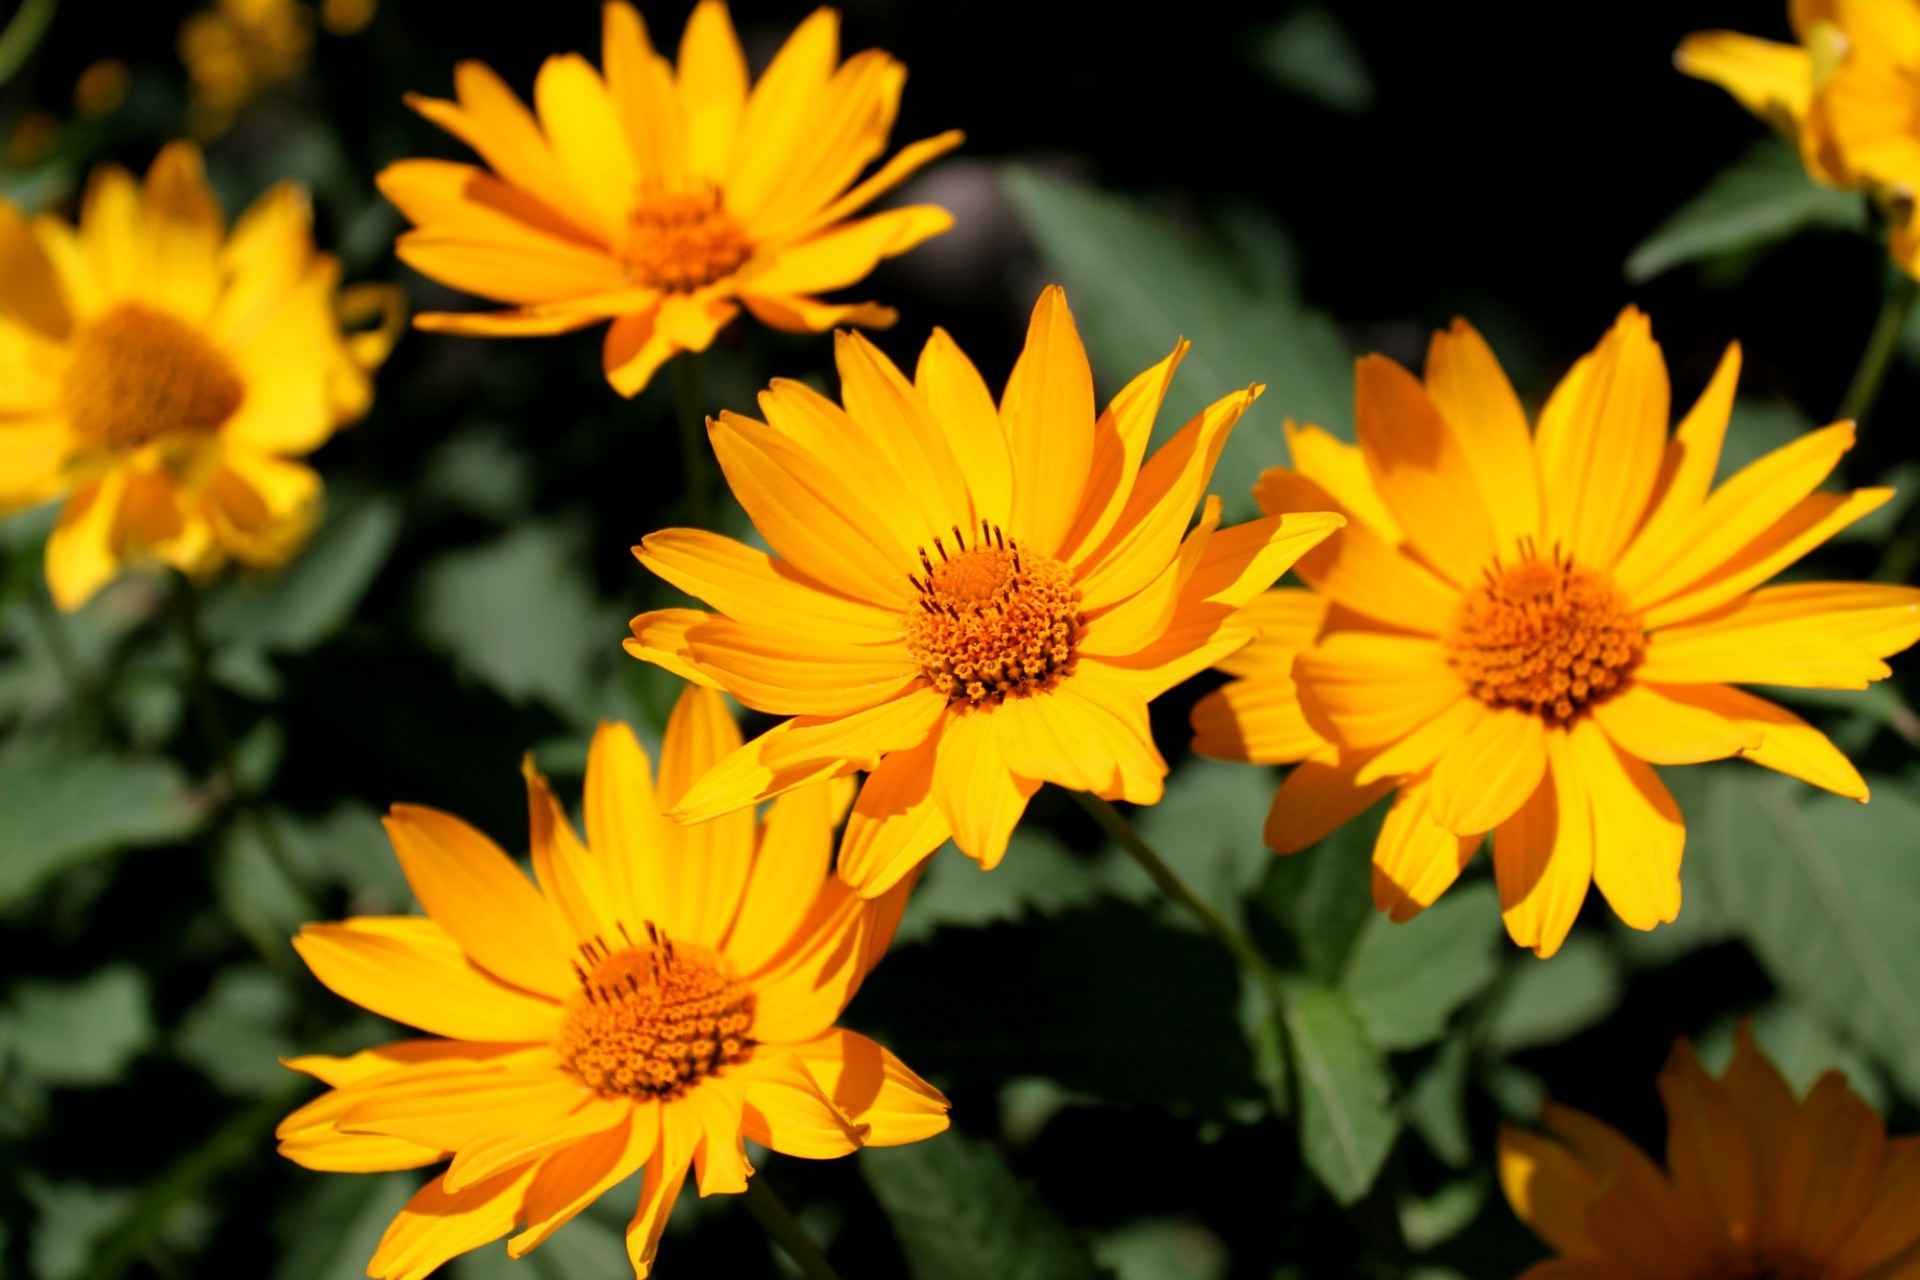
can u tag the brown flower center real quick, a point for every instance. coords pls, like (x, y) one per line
(993, 620)
(679, 243)
(137, 375)
(651, 1019)
(1545, 636)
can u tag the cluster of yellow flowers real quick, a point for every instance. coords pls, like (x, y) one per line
(966, 597)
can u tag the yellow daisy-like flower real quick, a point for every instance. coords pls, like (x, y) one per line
(238, 48)
(1757, 1185)
(1779, 82)
(1514, 627)
(968, 600)
(663, 995)
(164, 374)
(664, 200)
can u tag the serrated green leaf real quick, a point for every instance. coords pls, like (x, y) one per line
(1175, 284)
(1346, 1115)
(78, 1034)
(960, 1213)
(1758, 200)
(60, 806)
(1403, 981)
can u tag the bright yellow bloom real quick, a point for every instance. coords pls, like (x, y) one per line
(666, 200)
(1758, 1186)
(238, 48)
(1515, 626)
(967, 600)
(163, 374)
(663, 995)
(1848, 95)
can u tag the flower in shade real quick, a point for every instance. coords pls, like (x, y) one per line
(664, 199)
(1515, 627)
(966, 599)
(163, 374)
(236, 49)
(663, 995)
(1847, 95)
(1758, 1185)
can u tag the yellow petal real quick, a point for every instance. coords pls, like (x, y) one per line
(764, 669)
(844, 254)
(510, 1148)
(1047, 415)
(635, 120)
(1787, 743)
(712, 80)
(1601, 438)
(803, 988)
(634, 349)
(872, 1087)
(1341, 470)
(787, 1111)
(1638, 833)
(1811, 635)
(407, 968)
(522, 271)
(1369, 688)
(1549, 1189)
(902, 165)
(976, 788)
(792, 860)
(474, 892)
(438, 1225)
(81, 553)
(1661, 727)
(570, 1180)
(1089, 734)
(848, 126)
(1774, 81)
(781, 111)
(1120, 437)
(1421, 471)
(698, 876)
(720, 1161)
(1489, 773)
(1686, 476)
(451, 1112)
(1710, 1156)
(569, 875)
(1416, 859)
(963, 406)
(1488, 427)
(757, 589)
(624, 828)
(1318, 796)
(898, 423)
(1543, 855)
(896, 821)
(1254, 721)
(660, 1186)
(1416, 751)
(30, 289)
(1288, 620)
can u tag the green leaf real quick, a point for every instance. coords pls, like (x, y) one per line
(1435, 1104)
(1156, 1248)
(1802, 1046)
(1826, 893)
(1545, 1001)
(961, 1214)
(1322, 897)
(1207, 828)
(1137, 281)
(330, 1227)
(1346, 1115)
(1309, 53)
(1431, 1220)
(1756, 428)
(1038, 876)
(315, 594)
(1403, 981)
(78, 1034)
(1755, 202)
(238, 1032)
(60, 806)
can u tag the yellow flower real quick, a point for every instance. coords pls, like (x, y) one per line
(1514, 627)
(967, 600)
(162, 374)
(238, 48)
(1757, 1184)
(663, 995)
(665, 201)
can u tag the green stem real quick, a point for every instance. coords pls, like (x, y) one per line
(1881, 344)
(82, 689)
(689, 386)
(786, 1231)
(1127, 837)
(233, 1143)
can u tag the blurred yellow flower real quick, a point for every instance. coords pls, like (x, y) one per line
(1513, 628)
(1848, 95)
(967, 600)
(347, 17)
(162, 374)
(101, 87)
(664, 200)
(662, 996)
(1756, 1184)
(238, 48)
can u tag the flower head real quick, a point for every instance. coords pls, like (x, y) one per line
(1757, 1185)
(236, 49)
(664, 994)
(664, 199)
(1515, 627)
(967, 600)
(163, 374)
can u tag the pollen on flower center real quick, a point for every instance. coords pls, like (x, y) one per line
(993, 620)
(681, 242)
(653, 1018)
(1545, 636)
(138, 374)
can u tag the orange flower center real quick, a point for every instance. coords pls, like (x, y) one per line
(1545, 636)
(650, 1020)
(137, 375)
(993, 620)
(679, 243)
(1768, 1266)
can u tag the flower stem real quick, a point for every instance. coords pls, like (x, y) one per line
(689, 386)
(786, 1231)
(1881, 344)
(83, 691)
(1129, 838)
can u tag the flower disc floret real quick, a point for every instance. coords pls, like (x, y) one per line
(651, 1020)
(993, 620)
(1545, 636)
(678, 243)
(138, 375)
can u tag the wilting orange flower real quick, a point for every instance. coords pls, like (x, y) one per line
(664, 200)
(1848, 95)
(163, 374)
(663, 995)
(1757, 1184)
(1514, 627)
(967, 600)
